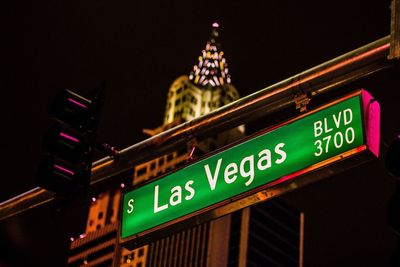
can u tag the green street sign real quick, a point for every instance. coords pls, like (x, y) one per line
(273, 156)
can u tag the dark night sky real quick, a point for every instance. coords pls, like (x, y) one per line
(139, 48)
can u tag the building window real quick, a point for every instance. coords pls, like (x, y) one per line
(100, 215)
(169, 157)
(141, 171)
(178, 113)
(182, 151)
(141, 252)
(111, 212)
(152, 165)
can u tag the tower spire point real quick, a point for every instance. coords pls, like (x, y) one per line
(212, 68)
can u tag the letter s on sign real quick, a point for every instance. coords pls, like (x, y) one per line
(280, 152)
(130, 206)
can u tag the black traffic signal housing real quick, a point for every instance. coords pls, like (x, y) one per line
(69, 142)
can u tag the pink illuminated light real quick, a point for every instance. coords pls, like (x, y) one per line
(215, 25)
(77, 103)
(64, 169)
(69, 137)
(372, 111)
(122, 185)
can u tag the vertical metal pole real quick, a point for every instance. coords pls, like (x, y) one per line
(218, 242)
(301, 241)
(244, 237)
(395, 30)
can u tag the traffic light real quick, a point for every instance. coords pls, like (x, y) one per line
(69, 142)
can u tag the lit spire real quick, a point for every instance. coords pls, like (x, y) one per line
(212, 68)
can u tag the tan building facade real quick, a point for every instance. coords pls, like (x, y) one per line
(222, 242)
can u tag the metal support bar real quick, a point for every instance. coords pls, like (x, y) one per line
(395, 30)
(27, 200)
(351, 66)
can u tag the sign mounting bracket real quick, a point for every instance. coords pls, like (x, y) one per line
(301, 100)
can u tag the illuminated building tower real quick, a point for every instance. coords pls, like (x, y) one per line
(207, 88)
(232, 240)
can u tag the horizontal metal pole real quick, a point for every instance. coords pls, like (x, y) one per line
(27, 200)
(351, 66)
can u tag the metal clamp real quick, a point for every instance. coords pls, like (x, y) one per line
(301, 100)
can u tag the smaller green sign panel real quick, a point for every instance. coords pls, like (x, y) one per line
(263, 159)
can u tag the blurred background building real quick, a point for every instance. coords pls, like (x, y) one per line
(268, 234)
